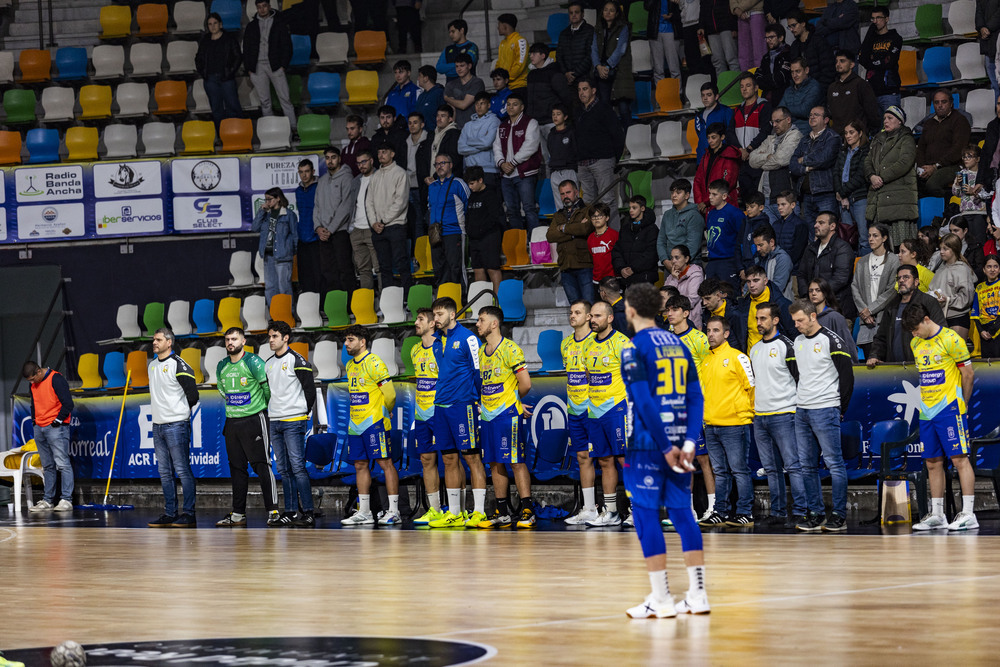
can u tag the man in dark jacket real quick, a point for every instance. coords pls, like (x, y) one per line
(987, 25)
(267, 50)
(760, 290)
(392, 132)
(990, 161)
(634, 254)
(546, 86)
(812, 164)
(573, 49)
(814, 48)
(716, 298)
(850, 97)
(839, 25)
(832, 258)
(600, 141)
(569, 230)
(892, 340)
(939, 151)
(774, 74)
(880, 58)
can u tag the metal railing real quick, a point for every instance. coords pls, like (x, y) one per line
(486, 22)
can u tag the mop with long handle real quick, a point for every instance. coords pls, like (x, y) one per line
(114, 452)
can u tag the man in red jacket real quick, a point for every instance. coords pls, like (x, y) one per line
(51, 404)
(720, 162)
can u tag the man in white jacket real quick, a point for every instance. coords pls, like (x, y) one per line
(387, 203)
(517, 152)
(773, 156)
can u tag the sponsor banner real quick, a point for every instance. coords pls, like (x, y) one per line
(278, 171)
(50, 221)
(205, 175)
(125, 218)
(3, 225)
(55, 183)
(3, 187)
(127, 179)
(208, 213)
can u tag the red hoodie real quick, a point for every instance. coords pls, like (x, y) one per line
(724, 165)
(600, 252)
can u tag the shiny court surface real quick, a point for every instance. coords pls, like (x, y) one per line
(536, 597)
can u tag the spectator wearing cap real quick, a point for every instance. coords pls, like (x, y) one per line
(850, 97)
(517, 153)
(611, 55)
(430, 96)
(811, 46)
(600, 141)
(512, 54)
(403, 95)
(457, 31)
(475, 143)
(939, 152)
(891, 172)
(460, 92)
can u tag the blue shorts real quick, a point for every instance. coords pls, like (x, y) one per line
(700, 448)
(423, 435)
(503, 438)
(944, 435)
(650, 482)
(579, 436)
(456, 428)
(607, 432)
(370, 445)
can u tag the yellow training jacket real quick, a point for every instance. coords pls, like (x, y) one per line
(513, 57)
(727, 380)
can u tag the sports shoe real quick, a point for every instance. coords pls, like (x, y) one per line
(388, 518)
(740, 521)
(41, 506)
(931, 522)
(708, 513)
(63, 506)
(651, 608)
(772, 521)
(232, 519)
(428, 516)
(527, 518)
(165, 521)
(282, 520)
(475, 519)
(185, 521)
(496, 521)
(694, 603)
(712, 520)
(964, 521)
(666, 523)
(629, 521)
(813, 523)
(304, 520)
(448, 520)
(794, 520)
(358, 519)
(582, 517)
(605, 519)
(835, 524)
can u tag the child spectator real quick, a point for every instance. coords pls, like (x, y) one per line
(562, 149)
(681, 225)
(634, 255)
(602, 242)
(754, 217)
(501, 81)
(973, 200)
(484, 226)
(723, 222)
(720, 162)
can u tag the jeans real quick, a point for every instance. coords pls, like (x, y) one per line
(277, 278)
(819, 431)
(262, 79)
(288, 440)
(393, 254)
(578, 284)
(991, 72)
(776, 445)
(519, 192)
(172, 444)
(771, 210)
(855, 215)
(886, 101)
(594, 176)
(813, 205)
(53, 450)
(727, 450)
(223, 98)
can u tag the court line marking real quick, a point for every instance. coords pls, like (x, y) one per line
(12, 535)
(724, 604)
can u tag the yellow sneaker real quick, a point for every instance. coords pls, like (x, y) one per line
(497, 521)
(475, 519)
(428, 516)
(448, 520)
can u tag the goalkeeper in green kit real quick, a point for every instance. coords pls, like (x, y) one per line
(243, 383)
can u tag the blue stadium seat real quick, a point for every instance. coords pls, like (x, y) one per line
(929, 208)
(510, 295)
(203, 315)
(851, 436)
(231, 12)
(550, 350)
(547, 205)
(324, 89)
(71, 62)
(556, 24)
(43, 145)
(643, 99)
(937, 64)
(114, 369)
(301, 47)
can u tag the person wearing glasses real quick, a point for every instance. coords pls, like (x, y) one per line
(279, 240)
(447, 198)
(775, 71)
(880, 58)
(365, 259)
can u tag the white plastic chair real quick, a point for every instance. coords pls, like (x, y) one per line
(180, 57)
(670, 138)
(159, 138)
(133, 100)
(258, 268)
(307, 310)
(326, 359)
(385, 349)
(179, 317)
(962, 18)
(915, 108)
(642, 60)
(189, 17)
(239, 268)
(274, 133)
(127, 320)
(6, 67)
(255, 312)
(213, 355)
(121, 141)
(969, 62)
(637, 142)
(202, 105)
(332, 48)
(145, 59)
(108, 61)
(391, 305)
(58, 104)
(979, 103)
(249, 99)
(484, 300)
(692, 89)
(20, 474)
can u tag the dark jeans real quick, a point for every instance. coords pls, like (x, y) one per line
(336, 260)
(332, 20)
(696, 63)
(778, 452)
(578, 284)
(416, 215)
(288, 440)
(449, 259)
(393, 254)
(223, 98)
(813, 205)
(310, 267)
(519, 192)
(373, 12)
(408, 20)
(727, 450)
(172, 444)
(622, 107)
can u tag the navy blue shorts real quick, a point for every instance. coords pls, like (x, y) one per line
(423, 435)
(503, 438)
(650, 482)
(579, 435)
(607, 432)
(370, 445)
(456, 428)
(700, 448)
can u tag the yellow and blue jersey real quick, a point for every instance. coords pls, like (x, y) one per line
(697, 344)
(604, 373)
(498, 371)
(986, 305)
(574, 356)
(426, 369)
(364, 379)
(938, 359)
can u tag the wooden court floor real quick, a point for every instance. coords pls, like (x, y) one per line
(539, 598)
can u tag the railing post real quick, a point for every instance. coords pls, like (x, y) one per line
(41, 33)
(52, 37)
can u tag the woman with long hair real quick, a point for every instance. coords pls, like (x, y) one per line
(986, 309)
(849, 181)
(611, 55)
(279, 240)
(916, 253)
(687, 278)
(872, 287)
(954, 285)
(828, 313)
(972, 250)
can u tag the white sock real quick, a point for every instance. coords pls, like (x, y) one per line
(364, 501)
(696, 578)
(589, 499)
(479, 500)
(455, 501)
(937, 506)
(658, 581)
(611, 501)
(969, 504)
(394, 504)
(711, 501)
(434, 498)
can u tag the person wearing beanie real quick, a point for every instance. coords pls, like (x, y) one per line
(890, 169)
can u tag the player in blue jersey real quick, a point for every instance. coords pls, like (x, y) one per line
(666, 403)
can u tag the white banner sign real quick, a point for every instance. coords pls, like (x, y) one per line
(206, 175)
(207, 213)
(55, 183)
(3, 187)
(3, 224)
(278, 171)
(50, 221)
(135, 216)
(127, 179)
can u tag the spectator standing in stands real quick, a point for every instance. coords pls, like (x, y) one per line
(753, 212)
(601, 141)
(723, 222)
(430, 96)
(986, 309)
(987, 26)
(634, 254)
(831, 258)
(750, 31)
(517, 153)
(461, 91)
(417, 170)
(501, 88)
(713, 113)
(569, 230)
(720, 28)
(686, 278)
(475, 143)
(408, 22)
(386, 204)
(681, 224)
(720, 162)
(751, 127)
(890, 170)
(561, 144)
(279, 239)
(484, 225)
(813, 47)
(715, 299)
(403, 95)
(872, 286)
(356, 142)
(939, 152)
(447, 199)
(310, 263)
(954, 285)
(850, 97)
(972, 250)
(693, 36)
(611, 56)
(662, 28)
(774, 73)
(774, 259)
(602, 243)
(849, 181)
(51, 406)
(880, 57)
(804, 94)
(363, 249)
(546, 88)
(457, 31)
(771, 159)
(332, 216)
(392, 131)
(759, 291)
(828, 314)
(512, 54)
(791, 231)
(267, 51)
(812, 164)
(218, 62)
(839, 26)
(974, 200)
(892, 340)
(779, 10)
(445, 140)
(573, 48)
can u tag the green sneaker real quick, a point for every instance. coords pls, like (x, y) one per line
(449, 520)
(428, 516)
(475, 519)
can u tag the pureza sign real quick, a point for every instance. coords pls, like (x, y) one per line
(278, 171)
(48, 184)
(127, 179)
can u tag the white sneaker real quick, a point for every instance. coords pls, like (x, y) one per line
(358, 519)
(63, 506)
(931, 522)
(606, 518)
(388, 518)
(651, 608)
(964, 521)
(582, 517)
(708, 513)
(629, 522)
(694, 603)
(40, 506)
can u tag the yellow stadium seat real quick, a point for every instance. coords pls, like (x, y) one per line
(86, 368)
(369, 45)
(95, 102)
(363, 306)
(116, 21)
(236, 135)
(10, 147)
(151, 19)
(362, 87)
(192, 355)
(422, 253)
(198, 137)
(515, 247)
(454, 290)
(302, 348)
(229, 313)
(137, 363)
(81, 142)
(281, 309)
(36, 65)
(171, 98)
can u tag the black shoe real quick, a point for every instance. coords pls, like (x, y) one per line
(773, 521)
(794, 520)
(836, 524)
(165, 521)
(304, 520)
(282, 520)
(740, 521)
(185, 521)
(813, 523)
(715, 519)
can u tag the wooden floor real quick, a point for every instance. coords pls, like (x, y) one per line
(539, 598)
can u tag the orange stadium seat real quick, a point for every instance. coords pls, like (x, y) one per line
(236, 135)
(10, 147)
(171, 98)
(369, 47)
(281, 309)
(137, 363)
(151, 19)
(515, 247)
(36, 65)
